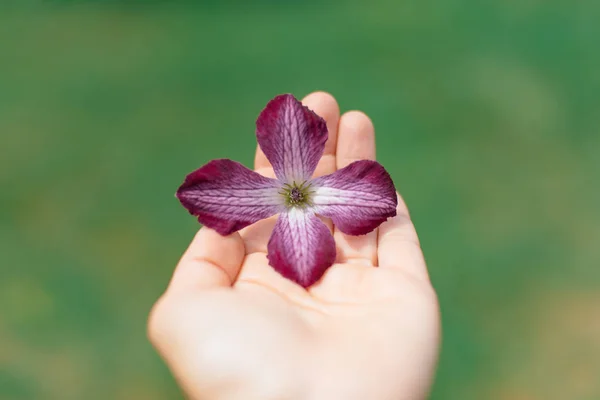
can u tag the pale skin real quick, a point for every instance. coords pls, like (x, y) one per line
(230, 327)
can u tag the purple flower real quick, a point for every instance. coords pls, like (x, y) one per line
(226, 196)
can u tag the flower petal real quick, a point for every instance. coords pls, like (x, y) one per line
(226, 196)
(292, 137)
(357, 198)
(301, 247)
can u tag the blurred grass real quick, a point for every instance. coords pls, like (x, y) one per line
(487, 115)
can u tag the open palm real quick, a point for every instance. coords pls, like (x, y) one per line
(230, 327)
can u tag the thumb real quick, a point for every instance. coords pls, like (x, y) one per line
(210, 261)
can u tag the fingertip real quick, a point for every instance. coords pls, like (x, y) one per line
(226, 250)
(324, 102)
(211, 260)
(359, 120)
(356, 138)
(326, 107)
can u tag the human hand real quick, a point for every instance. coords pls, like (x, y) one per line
(230, 327)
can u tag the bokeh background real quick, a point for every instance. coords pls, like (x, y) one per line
(487, 116)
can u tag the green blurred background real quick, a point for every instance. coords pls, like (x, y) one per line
(487, 116)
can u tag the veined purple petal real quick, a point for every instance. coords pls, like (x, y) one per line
(301, 247)
(292, 137)
(226, 196)
(358, 198)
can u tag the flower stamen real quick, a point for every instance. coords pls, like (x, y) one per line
(297, 195)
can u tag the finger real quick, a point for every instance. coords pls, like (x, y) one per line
(210, 261)
(356, 141)
(325, 106)
(398, 244)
